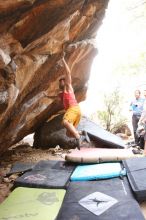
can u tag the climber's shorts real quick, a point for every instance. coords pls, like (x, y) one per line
(73, 115)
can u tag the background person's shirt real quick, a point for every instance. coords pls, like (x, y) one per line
(143, 115)
(136, 106)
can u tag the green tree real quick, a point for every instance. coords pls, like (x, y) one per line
(111, 117)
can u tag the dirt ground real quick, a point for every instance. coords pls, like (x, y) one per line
(25, 153)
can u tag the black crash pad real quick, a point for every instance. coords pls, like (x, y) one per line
(47, 174)
(136, 172)
(114, 200)
(55, 164)
(19, 167)
(100, 135)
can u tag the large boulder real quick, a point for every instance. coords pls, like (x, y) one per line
(51, 134)
(33, 34)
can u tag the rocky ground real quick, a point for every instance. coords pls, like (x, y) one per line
(23, 152)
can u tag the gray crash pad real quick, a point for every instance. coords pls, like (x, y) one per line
(100, 200)
(47, 174)
(100, 135)
(136, 172)
(19, 167)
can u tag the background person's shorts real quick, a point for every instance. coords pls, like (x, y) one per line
(73, 115)
(145, 136)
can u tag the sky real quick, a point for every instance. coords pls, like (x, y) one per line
(119, 39)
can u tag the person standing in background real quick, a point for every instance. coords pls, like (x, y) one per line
(136, 106)
(141, 130)
(142, 122)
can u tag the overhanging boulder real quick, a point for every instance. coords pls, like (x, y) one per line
(33, 34)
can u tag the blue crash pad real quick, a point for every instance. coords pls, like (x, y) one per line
(97, 171)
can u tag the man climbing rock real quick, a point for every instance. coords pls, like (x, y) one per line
(72, 115)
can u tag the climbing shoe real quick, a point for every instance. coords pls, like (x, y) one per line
(86, 137)
(137, 151)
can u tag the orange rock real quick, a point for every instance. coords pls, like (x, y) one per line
(33, 34)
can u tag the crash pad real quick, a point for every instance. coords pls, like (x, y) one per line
(100, 135)
(47, 174)
(136, 172)
(97, 155)
(97, 171)
(33, 204)
(19, 167)
(54, 164)
(103, 200)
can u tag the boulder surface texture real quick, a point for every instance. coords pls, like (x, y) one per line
(33, 36)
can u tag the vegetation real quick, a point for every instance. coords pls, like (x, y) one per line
(122, 60)
(111, 117)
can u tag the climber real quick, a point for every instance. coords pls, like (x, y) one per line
(72, 115)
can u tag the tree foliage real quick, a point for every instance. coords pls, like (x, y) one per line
(110, 117)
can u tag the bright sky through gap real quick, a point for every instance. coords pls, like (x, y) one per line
(118, 40)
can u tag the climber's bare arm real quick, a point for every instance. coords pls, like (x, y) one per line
(68, 80)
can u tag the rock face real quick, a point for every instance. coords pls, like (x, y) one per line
(33, 35)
